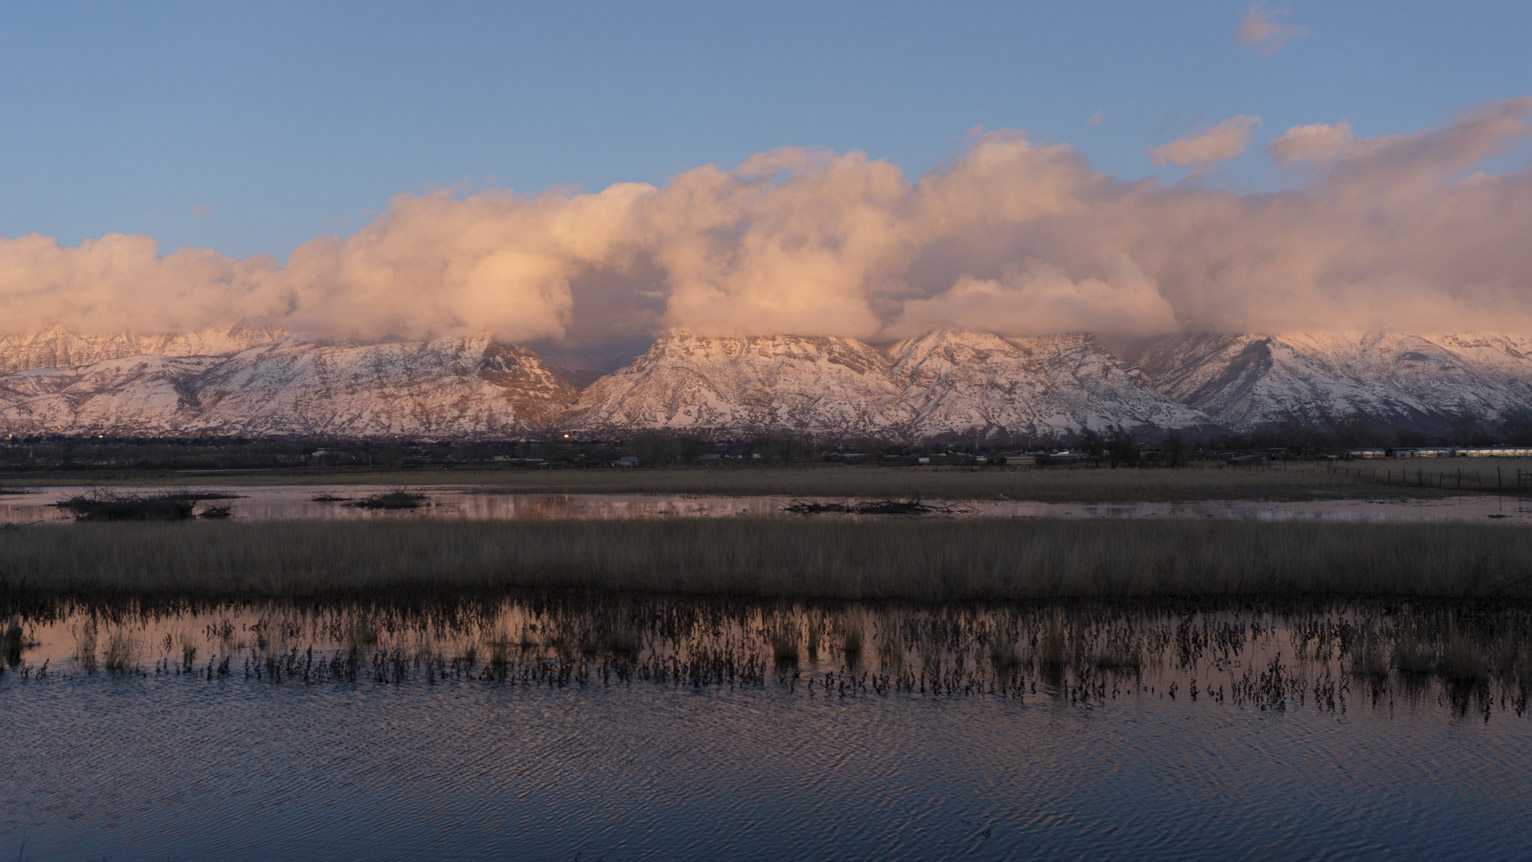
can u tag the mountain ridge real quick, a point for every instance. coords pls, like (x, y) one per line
(945, 383)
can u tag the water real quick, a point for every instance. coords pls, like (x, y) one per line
(296, 502)
(620, 728)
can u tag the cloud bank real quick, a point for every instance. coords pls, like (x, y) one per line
(1397, 232)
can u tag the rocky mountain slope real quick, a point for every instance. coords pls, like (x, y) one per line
(1391, 379)
(447, 387)
(60, 348)
(1050, 386)
(947, 383)
(836, 386)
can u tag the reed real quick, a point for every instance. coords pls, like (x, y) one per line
(120, 654)
(1368, 657)
(929, 561)
(85, 645)
(1462, 660)
(1414, 651)
(11, 642)
(783, 635)
(1201, 481)
(853, 637)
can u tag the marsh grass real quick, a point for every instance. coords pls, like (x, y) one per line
(1264, 654)
(928, 561)
(783, 635)
(1004, 656)
(1200, 481)
(1050, 647)
(499, 653)
(120, 653)
(85, 645)
(853, 636)
(1414, 651)
(1369, 659)
(11, 639)
(1461, 658)
(361, 633)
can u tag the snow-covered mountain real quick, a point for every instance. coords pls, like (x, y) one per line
(60, 348)
(944, 383)
(947, 383)
(1049, 386)
(1391, 379)
(447, 387)
(833, 386)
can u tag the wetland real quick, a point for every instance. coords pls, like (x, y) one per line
(578, 724)
(477, 669)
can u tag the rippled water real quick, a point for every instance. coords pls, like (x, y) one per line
(604, 727)
(265, 503)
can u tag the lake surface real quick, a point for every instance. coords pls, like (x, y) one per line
(297, 503)
(609, 727)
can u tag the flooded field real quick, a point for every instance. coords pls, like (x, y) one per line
(594, 725)
(329, 502)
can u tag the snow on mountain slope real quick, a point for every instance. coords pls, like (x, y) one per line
(447, 387)
(137, 395)
(444, 387)
(808, 385)
(1392, 379)
(945, 383)
(1049, 386)
(939, 384)
(59, 348)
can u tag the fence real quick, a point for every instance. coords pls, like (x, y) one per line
(1501, 482)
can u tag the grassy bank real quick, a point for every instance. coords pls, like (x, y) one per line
(1209, 481)
(938, 560)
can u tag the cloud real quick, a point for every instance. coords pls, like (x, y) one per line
(202, 210)
(1038, 298)
(1316, 141)
(1394, 232)
(1210, 146)
(1096, 119)
(1261, 30)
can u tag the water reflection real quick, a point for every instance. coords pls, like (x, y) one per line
(563, 726)
(1334, 658)
(266, 503)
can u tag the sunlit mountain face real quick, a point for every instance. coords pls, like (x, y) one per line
(942, 384)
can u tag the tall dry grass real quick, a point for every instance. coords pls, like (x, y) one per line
(1201, 481)
(936, 560)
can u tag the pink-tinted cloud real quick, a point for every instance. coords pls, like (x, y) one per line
(1261, 30)
(1316, 141)
(1209, 146)
(1396, 232)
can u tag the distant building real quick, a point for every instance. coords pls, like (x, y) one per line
(1493, 452)
(1421, 452)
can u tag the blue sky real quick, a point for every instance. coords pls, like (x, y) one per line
(251, 128)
